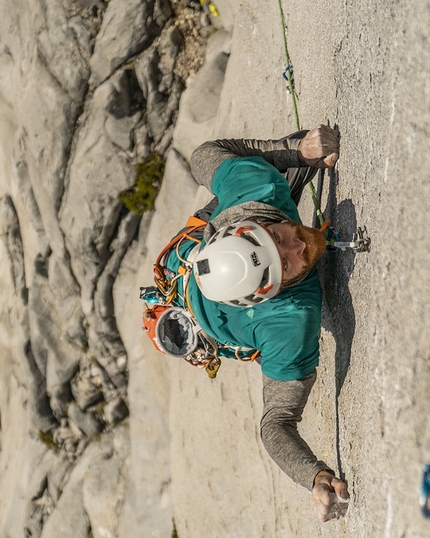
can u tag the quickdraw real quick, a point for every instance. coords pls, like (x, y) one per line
(165, 280)
(360, 241)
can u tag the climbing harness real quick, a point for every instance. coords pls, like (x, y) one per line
(425, 492)
(360, 241)
(168, 318)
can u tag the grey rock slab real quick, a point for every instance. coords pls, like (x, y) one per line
(121, 441)
(41, 108)
(90, 209)
(165, 144)
(115, 410)
(87, 422)
(120, 131)
(46, 332)
(161, 87)
(103, 333)
(68, 305)
(127, 26)
(158, 116)
(90, 3)
(60, 51)
(124, 105)
(29, 200)
(43, 508)
(47, 125)
(170, 44)
(200, 101)
(227, 10)
(35, 510)
(147, 501)
(103, 492)
(26, 369)
(11, 236)
(21, 451)
(57, 358)
(70, 519)
(125, 98)
(84, 391)
(162, 12)
(219, 42)
(59, 471)
(142, 141)
(41, 188)
(84, 32)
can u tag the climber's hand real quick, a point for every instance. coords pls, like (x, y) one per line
(329, 497)
(319, 148)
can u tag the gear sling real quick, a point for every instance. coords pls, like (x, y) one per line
(168, 318)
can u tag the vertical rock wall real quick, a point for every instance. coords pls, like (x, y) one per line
(88, 90)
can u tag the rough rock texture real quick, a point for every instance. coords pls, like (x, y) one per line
(89, 90)
(100, 436)
(367, 416)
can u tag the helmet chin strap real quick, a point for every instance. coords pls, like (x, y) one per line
(266, 224)
(296, 281)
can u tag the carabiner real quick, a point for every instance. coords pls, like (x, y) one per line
(331, 239)
(285, 71)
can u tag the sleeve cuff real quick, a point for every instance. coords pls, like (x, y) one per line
(319, 466)
(291, 145)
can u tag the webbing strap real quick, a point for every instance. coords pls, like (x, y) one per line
(195, 221)
(172, 243)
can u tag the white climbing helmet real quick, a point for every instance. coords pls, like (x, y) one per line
(239, 266)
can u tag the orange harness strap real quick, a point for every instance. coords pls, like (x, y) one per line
(195, 221)
(173, 242)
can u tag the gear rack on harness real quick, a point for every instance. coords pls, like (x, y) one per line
(168, 318)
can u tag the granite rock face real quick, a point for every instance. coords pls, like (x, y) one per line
(100, 436)
(92, 88)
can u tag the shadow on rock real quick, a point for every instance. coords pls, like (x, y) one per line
(335, 270)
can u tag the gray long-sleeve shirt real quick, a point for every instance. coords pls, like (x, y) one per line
(284, 401)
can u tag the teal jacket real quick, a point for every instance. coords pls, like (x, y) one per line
(286, 328)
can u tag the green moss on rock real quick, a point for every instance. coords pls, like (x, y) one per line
(48, 440)
(149, 176)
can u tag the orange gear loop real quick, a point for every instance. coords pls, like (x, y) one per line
(246, 359)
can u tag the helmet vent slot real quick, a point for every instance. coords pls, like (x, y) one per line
(213, 238)
(265, 278)
(254, 299)
(230, 230)
(251, 239)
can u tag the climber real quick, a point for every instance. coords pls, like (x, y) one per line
(253, 284)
